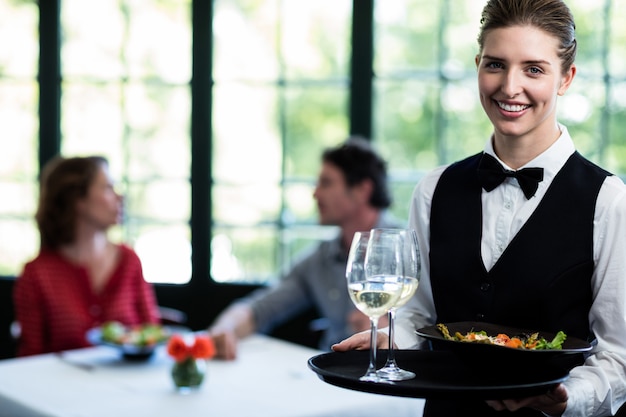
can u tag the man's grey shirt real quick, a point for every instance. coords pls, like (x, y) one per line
(317, 280)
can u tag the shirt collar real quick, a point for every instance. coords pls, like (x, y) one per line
(551, 160)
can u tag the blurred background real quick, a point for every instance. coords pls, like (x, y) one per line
(213, 115)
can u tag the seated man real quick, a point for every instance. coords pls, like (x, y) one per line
(352, 193)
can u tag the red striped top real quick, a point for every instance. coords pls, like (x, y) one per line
(55, 304)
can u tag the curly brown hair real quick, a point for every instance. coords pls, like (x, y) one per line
(63, 182)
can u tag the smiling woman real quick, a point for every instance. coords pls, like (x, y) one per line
(525, 64)
(520, 76)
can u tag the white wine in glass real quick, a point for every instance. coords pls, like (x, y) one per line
(408, 268)
(374, 295)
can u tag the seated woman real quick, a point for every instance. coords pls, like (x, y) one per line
(79, 279)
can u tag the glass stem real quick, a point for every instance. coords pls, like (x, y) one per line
(371, 375)
(391, 359)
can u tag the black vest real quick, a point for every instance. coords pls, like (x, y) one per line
(542, 280)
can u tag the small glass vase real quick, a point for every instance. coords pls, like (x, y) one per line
(188, 374)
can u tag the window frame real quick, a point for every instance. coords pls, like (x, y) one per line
(200, 222)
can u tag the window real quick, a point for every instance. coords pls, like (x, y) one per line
(278, 93)
(18, 117)
(125, 95)
(280, 97)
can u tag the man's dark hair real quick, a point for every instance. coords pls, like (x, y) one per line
(358, 161)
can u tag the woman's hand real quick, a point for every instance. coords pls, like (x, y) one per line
(361, 341)
(552, 403)
(359, 322)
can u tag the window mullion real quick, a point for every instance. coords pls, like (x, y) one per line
(201, 127)
(362, 67)
(49, 79)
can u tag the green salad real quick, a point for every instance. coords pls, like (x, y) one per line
(139, 335)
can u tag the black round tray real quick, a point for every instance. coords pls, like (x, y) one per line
(443, 374)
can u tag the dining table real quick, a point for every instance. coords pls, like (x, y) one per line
(270, 377)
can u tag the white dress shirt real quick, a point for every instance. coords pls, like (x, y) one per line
(599, 386)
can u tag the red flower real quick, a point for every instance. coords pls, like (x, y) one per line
(177, 348)
(201, 348)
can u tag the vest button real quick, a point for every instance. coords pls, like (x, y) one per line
(480, 316)
(485, 286)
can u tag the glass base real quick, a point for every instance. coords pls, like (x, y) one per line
(376, 378)
(369, 378)
(394, 374)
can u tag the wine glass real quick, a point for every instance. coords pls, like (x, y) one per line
(409, 269)
(373, 294)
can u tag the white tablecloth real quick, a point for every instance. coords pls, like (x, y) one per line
(270, 378)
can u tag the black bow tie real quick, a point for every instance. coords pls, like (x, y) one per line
(491, 174)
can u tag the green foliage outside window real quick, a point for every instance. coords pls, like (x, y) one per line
(280, 95)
